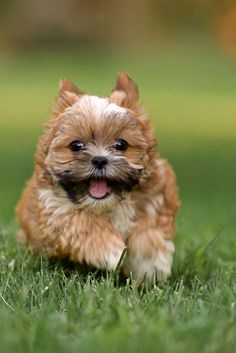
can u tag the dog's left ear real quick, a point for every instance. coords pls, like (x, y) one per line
(68, 95)
(126, 92)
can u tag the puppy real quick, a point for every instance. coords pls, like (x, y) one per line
(99, 186)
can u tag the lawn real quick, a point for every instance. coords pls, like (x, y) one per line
(48, 306)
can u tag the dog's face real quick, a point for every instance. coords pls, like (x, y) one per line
(97, 149)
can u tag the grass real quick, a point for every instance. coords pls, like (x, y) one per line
(48, 306)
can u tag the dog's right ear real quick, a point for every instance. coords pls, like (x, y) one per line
(68, 95)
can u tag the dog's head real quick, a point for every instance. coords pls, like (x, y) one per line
(97, 149)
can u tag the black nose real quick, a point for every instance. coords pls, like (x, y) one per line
(99, 162)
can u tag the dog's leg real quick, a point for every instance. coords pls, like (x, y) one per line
(150, 249)
(56, 229)
(149, 256)
(95, 242)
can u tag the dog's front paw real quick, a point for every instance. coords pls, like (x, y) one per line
(154, 268)
(112, 259)
(105, 256)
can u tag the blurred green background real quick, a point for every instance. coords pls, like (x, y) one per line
(182, 55)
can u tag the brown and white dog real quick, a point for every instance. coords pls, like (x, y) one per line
(99, 186)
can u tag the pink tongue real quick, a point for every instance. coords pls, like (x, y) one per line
(98, 188)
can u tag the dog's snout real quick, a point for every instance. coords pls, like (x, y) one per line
(99, 162)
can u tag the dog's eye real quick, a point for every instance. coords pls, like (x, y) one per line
(121, 145)
(76, 146)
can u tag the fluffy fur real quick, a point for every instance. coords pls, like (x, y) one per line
(58, 212)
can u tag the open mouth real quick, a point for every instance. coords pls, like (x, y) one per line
(99, 188)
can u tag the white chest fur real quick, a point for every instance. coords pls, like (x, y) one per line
(122, 217)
